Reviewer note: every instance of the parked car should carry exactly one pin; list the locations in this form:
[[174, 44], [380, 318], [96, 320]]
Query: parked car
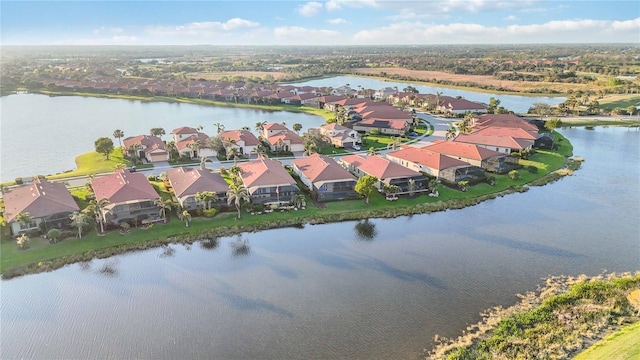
[[356, 147]]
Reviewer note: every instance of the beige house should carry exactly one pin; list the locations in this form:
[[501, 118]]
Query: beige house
[[131, 197], [184, 138], [268, 181], [340, 136], [243, 140], [322, 175], [146, 147], [48, 203], [188, 182], [281, 138], [386, 171]]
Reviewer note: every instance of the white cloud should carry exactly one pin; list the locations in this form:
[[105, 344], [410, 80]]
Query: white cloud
[[510, 18], [310, 9], [201, 29], [568, 31], [295, 35], [338, 21], [108, 30]]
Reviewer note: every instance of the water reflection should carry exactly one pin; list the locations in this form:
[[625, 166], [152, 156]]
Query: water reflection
[[365, 230], [209, 244], [109, 269], [167, 251], [240, 247]]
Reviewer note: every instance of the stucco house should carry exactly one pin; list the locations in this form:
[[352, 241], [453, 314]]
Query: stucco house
[[340, 136], [48, 203], [184, 138], [148, 147], [434, 164], [187, 182], [322, 175], [243, 140], [131, 197], [473, 154], [384, 126], [281, 138], [452, 105], [386, 171], [268, 181]]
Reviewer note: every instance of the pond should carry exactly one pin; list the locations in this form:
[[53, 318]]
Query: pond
[[357, 290]]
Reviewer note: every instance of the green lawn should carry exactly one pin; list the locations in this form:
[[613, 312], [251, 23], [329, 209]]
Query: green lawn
[[94, 163], [619, 101], [621, 345]]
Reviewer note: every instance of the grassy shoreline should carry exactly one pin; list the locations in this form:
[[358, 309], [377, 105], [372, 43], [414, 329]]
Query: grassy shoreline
[[558, 320], [42, 256]]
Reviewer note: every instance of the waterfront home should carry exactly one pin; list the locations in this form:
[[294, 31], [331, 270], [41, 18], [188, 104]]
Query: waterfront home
[[281, 138], [146, 147], [187, 182], [474, 154], [454, 106], [191, 143], [243, 140], [504, 144], [325, 178], [384, 93], [438, 165], [386, 171], [48, 203], [384, 126], [340, 136], [268, 181], [131, 197]]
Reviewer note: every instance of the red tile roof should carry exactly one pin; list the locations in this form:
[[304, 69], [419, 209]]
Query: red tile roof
[[286, 135], [40, 199], [383, 123], [184, 143], [189, 181], [426, 158], [379, 167], [497, 141], [149, 142], [321, 168], [122, 186], [274, 126], [184, 130], [264, 172], [504, 120], [463, 150], [240, 135]]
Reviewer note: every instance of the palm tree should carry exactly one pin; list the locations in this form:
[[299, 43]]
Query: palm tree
[[232, 153], [411, 186], [186, 217], [203, 162], [260, 126], [219, 127], [437, 106], [297, 127], [395, 141], [299, 201], [237, 195], [236, 172], [206, 198], [163, 205], [279, 146], [194, 146], [450, 134], [79, 220], [96, 209], [25, 219], [309, 148], [372, 151], [132, 151], [118, 134]]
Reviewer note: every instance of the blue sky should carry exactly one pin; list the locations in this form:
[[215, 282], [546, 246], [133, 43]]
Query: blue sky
[[333, 22]]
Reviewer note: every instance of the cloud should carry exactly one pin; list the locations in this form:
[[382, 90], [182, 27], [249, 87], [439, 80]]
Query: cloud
[[567, 31], [338, 21], [510, 18], [108, 30], [295, 35], [310, 9], [202, 29], [437, 9]]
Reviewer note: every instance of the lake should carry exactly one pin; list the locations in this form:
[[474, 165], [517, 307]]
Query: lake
[[516, 103], [43, 134], [328, 292]]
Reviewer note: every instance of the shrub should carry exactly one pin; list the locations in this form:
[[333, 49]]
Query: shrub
[[223, 171], [532, 169], [514, 174], [209, 213], [19, 181], [54, 235], [258, 207]]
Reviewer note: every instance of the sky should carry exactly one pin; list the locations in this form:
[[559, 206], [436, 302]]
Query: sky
[[332, 22]]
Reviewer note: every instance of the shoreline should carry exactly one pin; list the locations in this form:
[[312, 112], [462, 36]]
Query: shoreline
[[200, 231]]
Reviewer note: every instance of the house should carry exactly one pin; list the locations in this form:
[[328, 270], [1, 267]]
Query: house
[[268, 181], [184, 139], [131, 197], [390, 127], [148, 147], [340, 136], [322, 175], [48, 203], [281, 138], [452, 105], [386, 171], [474, 154], [243, 140], [504, 144], [435, 164], [384, 93], [187, 182]]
